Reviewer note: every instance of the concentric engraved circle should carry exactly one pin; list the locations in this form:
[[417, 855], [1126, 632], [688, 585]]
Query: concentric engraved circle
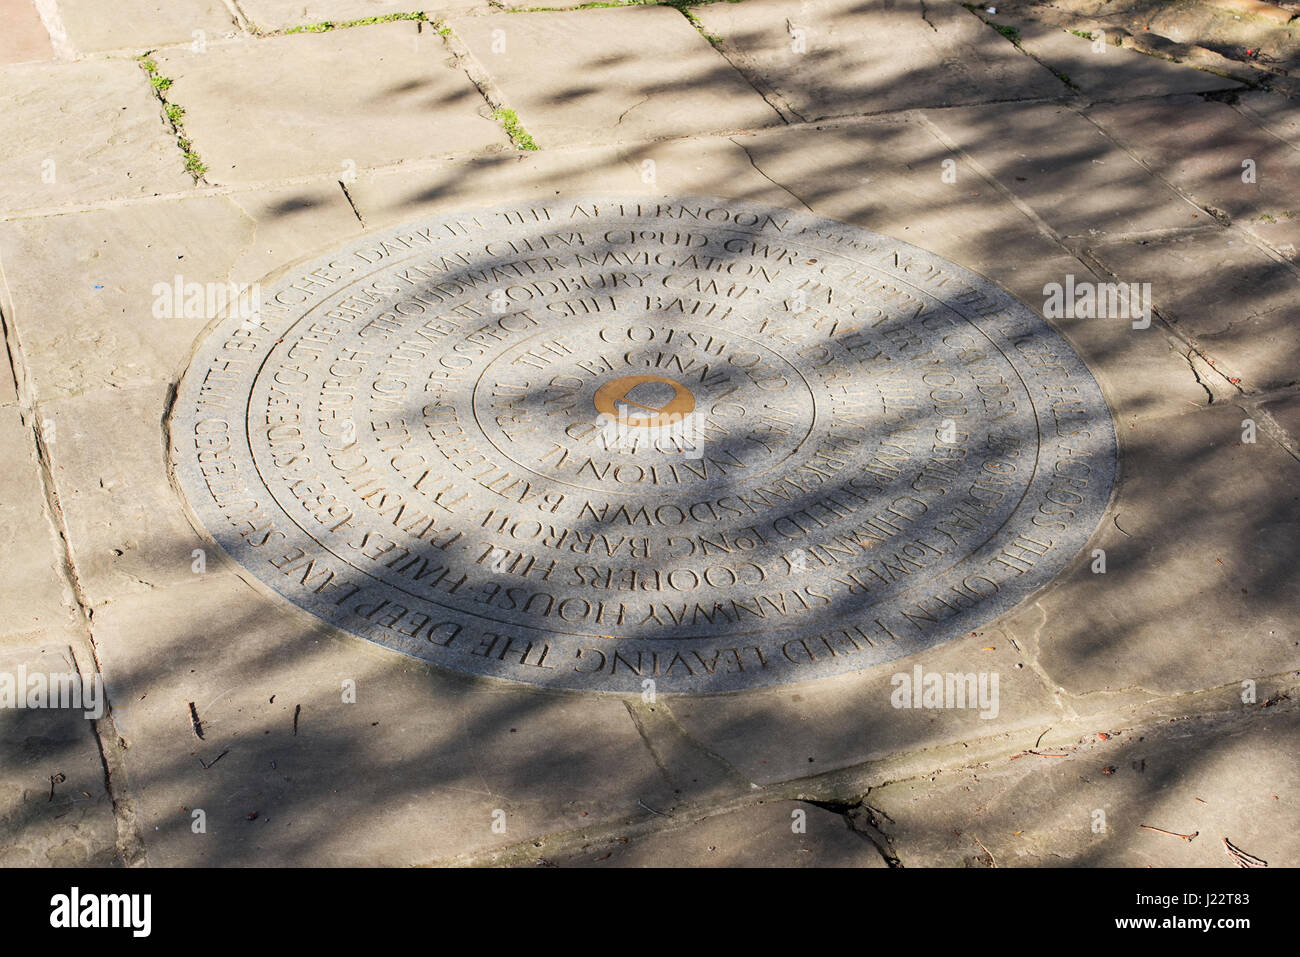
[[588, 443]]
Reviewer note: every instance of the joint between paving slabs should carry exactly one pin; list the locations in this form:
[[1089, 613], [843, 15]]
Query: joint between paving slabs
[[662, 733], [173, 113], [1222, 218], [463, 58], [129, 843], [1187, 346], [851, 787]]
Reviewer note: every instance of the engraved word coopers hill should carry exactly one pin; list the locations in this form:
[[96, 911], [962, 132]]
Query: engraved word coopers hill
[[585, 443]]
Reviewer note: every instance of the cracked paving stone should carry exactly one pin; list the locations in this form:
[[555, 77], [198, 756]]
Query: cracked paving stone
[[1245, 319], [764, 835], [1065, 169], [36, 597], [1222, 777], [1202, 147]]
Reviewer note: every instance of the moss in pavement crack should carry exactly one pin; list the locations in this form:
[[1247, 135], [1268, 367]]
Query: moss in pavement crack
[[515, 130], [175, 114]]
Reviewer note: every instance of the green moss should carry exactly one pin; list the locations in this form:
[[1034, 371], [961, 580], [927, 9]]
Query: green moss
[[515, 130], [1081, 33], [326, 25], [174, 113]]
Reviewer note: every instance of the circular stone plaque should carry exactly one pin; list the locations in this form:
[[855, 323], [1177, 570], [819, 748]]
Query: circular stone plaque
[[583, 444]]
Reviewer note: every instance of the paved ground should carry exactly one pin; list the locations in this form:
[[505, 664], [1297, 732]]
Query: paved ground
[[1139, 708]]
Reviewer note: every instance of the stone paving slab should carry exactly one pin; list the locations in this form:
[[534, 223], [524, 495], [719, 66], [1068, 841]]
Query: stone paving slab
[[1286, 411], [803, 730], [1065, 169], [410, 773], [272, 15], [1242, 321], [394, 95], [1109, 72], [35, 596], [611, 75], [891, 176], [1203, 148], [54, 810], [1143, 373], [77, 337], [852, 57], [128, 534], [1234, 779], [84, 132], [1276, 113], [1201, 521], [760, 836], [136, 25], [714, 166], [25, 38]]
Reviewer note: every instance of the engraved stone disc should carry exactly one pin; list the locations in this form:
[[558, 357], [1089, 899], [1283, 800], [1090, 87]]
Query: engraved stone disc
[[583, 444]]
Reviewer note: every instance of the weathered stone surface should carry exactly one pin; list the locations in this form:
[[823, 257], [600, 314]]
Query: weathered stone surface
[[1243, 320], [896, 494], [601, 76], [1065, 169], [36, 594], [25, 38], [758, 836], [1233, 779], [8, 380], [788, 733], [871, 58], [1276, 112], [54, 810], [260, 110], [127, 531], [893, 176], [271, 15], [411, 773], [77, 133], [77, 337], [1286, 412], [1203, 523], [1220, 157], [714, 165], [137, 25], [1108, 72]]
